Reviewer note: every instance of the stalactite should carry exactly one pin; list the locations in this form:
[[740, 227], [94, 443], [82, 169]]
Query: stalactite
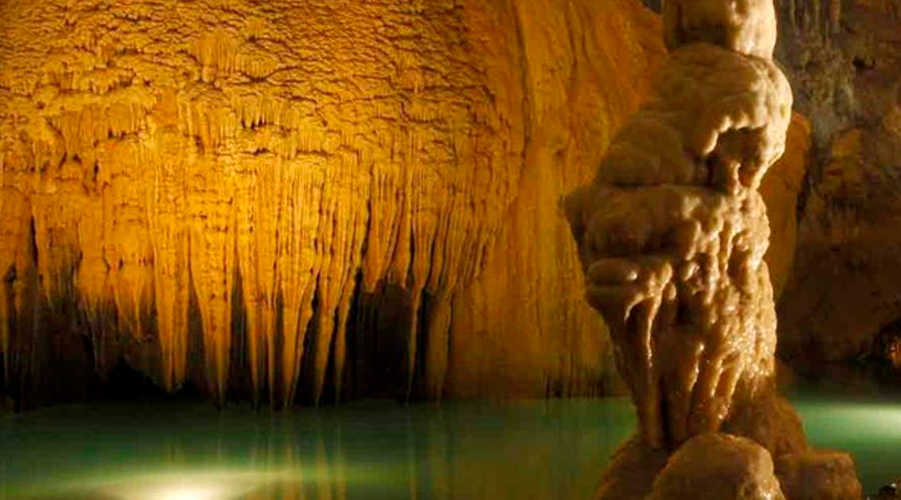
[[168, 158], [224, 189]]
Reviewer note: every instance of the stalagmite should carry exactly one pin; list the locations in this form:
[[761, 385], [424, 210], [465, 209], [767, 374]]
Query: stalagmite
[[672, 233]]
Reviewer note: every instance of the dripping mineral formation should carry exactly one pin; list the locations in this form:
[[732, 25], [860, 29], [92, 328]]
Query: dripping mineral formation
[[305, 199], [672, 234]]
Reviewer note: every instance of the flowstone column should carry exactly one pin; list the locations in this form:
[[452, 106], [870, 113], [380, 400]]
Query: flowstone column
[[672, 234]]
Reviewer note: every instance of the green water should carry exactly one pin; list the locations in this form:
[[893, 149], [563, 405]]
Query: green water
[[531, 450]]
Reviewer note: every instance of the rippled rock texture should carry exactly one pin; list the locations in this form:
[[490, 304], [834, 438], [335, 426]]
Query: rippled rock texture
[[672, 232], [313, 199], [298, 200], [844, 61]]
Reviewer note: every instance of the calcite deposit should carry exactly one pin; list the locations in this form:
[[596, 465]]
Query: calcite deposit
[[782, 188], [284, 200], [843, 293], [673, 244], [298, 200], [887, 346], [672, 234], [741, 470]]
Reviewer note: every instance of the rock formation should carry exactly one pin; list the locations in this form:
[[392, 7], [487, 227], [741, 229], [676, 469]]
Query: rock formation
[[844, 60], [887, 346], [741, 470], [194, 191], [781, 189], [287, 200], [889, 492], [672, 234]]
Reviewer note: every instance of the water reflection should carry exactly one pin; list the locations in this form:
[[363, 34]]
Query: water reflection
[[364, 451], [539, 450]]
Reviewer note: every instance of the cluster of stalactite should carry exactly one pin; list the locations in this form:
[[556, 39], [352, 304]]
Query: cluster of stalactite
[[257, 197], [234, 168]]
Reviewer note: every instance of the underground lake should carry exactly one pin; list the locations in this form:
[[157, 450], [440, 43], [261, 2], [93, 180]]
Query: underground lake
[[372, 449]]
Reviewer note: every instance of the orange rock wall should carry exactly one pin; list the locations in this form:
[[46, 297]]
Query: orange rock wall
[[288, 197], [780, 189], [523, 327], [287, 201]]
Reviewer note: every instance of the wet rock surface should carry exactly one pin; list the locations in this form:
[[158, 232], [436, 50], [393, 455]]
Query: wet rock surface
[[888, 492], [887, 347], [672, 239], [718, 467], [282, 201], [843, 59]]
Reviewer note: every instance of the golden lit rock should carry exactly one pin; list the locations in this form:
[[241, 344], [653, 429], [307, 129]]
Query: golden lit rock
[[672, 233], [741, 470], [780, 189], [675, 264], [743, 26], [283, 198]]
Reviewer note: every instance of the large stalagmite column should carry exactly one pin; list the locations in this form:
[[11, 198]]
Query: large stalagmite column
[[672, 233]]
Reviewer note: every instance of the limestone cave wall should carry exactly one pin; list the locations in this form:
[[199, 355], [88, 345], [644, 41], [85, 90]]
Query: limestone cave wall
[[311, 200], [298, 200], [844, 60]]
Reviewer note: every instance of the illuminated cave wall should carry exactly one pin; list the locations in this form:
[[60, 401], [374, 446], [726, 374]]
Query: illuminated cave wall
[[284, 197], [844, 59], [305, 200]]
